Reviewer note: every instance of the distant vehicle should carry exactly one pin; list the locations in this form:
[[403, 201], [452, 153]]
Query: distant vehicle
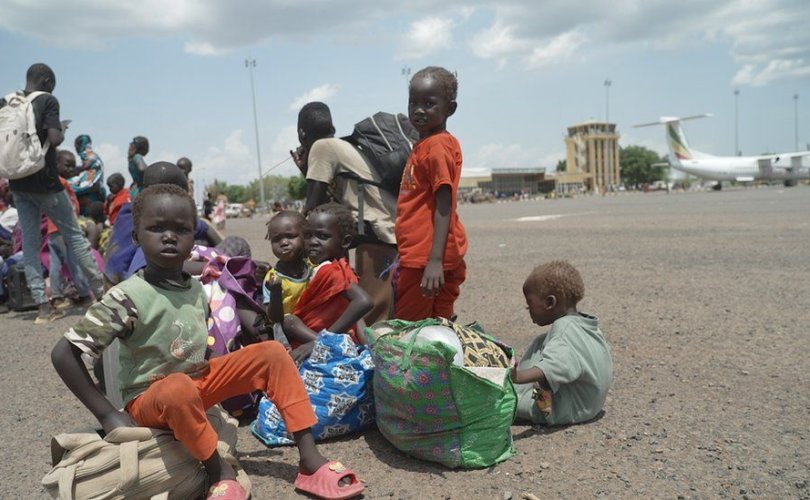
[[728, 168], [233, 210]]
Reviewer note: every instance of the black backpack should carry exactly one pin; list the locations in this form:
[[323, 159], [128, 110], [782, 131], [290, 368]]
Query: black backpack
[[385, 141]]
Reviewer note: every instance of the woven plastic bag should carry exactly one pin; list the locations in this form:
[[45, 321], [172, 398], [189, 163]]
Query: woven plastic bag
[[434, 410], [337, 377]]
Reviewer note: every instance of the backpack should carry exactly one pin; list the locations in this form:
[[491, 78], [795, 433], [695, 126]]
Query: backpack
[[21, 153], [135, 462], [385, 141]]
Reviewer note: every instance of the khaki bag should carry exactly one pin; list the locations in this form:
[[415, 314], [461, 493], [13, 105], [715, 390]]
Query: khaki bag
[[135, 463]]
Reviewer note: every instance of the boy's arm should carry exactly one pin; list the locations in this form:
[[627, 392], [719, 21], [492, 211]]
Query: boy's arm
[[275, 308], [529, 376], [317, 194], [67, 361], [433, 277], [359, 305], [295, 329]]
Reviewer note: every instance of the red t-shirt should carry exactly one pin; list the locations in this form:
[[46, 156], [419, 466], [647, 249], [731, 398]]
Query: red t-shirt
[[114, 206], [322, 303], [434, 162]]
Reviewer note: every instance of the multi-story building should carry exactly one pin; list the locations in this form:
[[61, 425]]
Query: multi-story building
[[592, 149]]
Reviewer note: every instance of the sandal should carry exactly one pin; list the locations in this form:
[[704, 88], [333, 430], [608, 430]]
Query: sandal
[[228, 489], [325, 482]]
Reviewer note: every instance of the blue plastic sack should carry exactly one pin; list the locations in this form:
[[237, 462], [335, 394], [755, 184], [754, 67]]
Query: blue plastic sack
[[337, 376]]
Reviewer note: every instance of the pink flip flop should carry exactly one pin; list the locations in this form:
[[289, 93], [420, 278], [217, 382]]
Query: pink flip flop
[[325, 482], [228, 489]]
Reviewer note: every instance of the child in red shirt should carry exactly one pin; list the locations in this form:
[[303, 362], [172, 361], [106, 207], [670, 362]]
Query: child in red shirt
[[431, 239], [332, 300], [118, 196]]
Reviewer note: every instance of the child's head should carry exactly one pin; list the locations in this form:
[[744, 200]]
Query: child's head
[[234, 246], [139, 145], [329, 232], [164, 172], [82, 142], [163, 219], [431, 99], [552, 291], [314, 122], [115, 183], [285, 232], [96, 212], [184, 164], [65, 163]]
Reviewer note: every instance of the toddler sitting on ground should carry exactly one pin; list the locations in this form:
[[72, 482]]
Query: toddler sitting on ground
[[565, 374]]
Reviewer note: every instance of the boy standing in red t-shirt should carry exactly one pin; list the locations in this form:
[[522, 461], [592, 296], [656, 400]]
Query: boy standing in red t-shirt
[[431, 239]]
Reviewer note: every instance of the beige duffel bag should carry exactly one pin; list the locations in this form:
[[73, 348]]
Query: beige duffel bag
[[135, 463]]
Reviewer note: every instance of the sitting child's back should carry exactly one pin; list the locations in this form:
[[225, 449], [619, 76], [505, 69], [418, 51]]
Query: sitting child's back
[[565, 374]]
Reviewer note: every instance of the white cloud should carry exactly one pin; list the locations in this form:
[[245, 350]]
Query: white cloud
[[232, 162], [497, 42], [202, 49], [557, 50], [280, 161], [768, 38], [114, 158], [321, 93], [426, 36]]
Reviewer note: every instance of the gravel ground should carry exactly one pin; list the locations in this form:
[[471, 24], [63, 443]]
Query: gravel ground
[[703, 298]]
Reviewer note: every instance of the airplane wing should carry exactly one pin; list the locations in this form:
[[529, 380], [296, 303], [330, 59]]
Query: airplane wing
[[783, 156]]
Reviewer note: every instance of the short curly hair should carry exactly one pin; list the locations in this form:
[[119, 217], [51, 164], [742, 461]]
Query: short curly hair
[[558, 278], [346, 222], [291, 214], [448, 80], [157, 190]]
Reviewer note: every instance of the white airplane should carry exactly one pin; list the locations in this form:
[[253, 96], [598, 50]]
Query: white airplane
[[785, 167]]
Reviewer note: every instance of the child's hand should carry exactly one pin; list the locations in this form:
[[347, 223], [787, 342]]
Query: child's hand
[[432, 278], [302, 352], [116, 419], [513, 370]]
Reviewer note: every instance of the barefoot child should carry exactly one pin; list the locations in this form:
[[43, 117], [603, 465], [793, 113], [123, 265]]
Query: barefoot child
[[332, 300], [284, 284], [159, 316], [565, 374], [432, 241]]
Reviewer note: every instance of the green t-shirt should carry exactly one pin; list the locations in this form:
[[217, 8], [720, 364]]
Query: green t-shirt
[[162, 330], [575, 358]]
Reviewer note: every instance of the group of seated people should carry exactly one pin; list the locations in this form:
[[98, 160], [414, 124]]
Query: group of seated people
[[163, 260]]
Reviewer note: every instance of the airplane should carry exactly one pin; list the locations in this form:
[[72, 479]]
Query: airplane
[[728, 168]]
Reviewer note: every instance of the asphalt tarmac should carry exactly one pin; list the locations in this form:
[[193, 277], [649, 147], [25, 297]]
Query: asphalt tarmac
[[703, 296]]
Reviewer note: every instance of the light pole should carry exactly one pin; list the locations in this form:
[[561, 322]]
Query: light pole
[[796, 121], [250, 64], [736, 130], [406, 73], [608, 83]]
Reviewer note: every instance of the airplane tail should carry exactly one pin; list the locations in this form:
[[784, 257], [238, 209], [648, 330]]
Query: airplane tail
[[676, 140]]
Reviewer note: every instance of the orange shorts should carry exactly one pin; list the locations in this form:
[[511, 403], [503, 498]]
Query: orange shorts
[[178, 402], [412, 305]]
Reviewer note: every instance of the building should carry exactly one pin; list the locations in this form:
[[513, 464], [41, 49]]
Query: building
[[512, 181], [592, 148]]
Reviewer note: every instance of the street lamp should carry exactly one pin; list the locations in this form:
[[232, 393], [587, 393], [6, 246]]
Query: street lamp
[[608, 83], [736, 133], [796, 121], [250, 64], [406, 73]]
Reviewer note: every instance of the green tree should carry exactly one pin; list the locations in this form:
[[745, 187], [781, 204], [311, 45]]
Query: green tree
[[638, 165], [562, 166], [297, 188]]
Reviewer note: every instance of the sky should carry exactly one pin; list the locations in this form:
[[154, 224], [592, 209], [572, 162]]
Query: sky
[[174, 71]]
